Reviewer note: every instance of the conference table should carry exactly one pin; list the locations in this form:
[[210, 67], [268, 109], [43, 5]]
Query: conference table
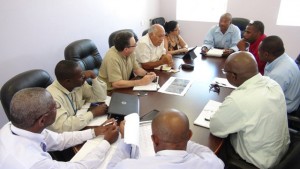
[[197, 96]]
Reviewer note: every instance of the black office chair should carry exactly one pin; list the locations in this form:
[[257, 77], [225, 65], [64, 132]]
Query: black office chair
[[298, 61], [159, 20], [31, 78], [86, 54], [241, 23], [145, 32], [291, 158], [294, 119], [113, 35]]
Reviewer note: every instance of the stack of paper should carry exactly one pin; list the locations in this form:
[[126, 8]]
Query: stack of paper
[[215, 52], [153, 86], [204, 117]]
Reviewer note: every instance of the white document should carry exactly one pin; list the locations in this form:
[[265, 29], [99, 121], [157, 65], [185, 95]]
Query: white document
[[176, 86], [204, 117], [215, 52], [164, 67], [142, 138], [223, 82], [153, 86]]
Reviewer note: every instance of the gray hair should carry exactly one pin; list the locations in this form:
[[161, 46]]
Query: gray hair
[[27, 105]]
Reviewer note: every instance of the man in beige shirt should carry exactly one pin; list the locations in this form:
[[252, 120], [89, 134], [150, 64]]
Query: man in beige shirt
[[119, 62], [71, 91]]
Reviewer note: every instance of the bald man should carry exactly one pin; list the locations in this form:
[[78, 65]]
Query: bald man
[[150, 51], [24, 141], [253, 115], [225, 36], [170, 136]]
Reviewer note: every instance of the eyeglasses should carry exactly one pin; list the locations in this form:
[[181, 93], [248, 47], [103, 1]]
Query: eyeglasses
[[57, 106], [214, 88], [133, 46], [226, 72]]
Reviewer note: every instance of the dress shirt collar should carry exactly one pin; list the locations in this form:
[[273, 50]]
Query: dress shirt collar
[[229, 30], [250, 81], [270, 66], [64, 90], [36, 137], [172, 153]]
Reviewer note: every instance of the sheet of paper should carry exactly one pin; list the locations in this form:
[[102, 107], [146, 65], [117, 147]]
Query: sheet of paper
[[90, 145], [146, 144], [215, 52], [97, 121], [163, 67], [223, 82], [150, 87], [131, 130], [204, 117], [176, 86]]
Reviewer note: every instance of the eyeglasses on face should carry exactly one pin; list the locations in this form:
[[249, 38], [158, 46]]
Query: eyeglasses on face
[[226, 72], [133, 46]]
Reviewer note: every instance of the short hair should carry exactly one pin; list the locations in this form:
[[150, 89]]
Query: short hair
[[170, 26], [65, 69], [258, 25], [273, 45], [27, 105], [227, 15], [122, 40]]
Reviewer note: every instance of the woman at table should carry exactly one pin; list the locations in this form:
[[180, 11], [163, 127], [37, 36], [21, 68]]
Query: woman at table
[[174, 43]]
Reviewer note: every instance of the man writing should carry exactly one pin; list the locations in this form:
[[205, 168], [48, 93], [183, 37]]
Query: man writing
[[71, 91], [24, 141], [253, 115], [119, 62], [171, 140]]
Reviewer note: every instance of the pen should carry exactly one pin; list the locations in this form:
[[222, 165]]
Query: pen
[[109, 123], [206, 119]]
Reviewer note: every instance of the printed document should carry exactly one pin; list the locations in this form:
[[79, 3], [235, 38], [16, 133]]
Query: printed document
[[176, 86], [204, 117]]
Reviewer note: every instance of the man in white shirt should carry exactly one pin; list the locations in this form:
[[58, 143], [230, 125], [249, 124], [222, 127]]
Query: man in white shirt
[[71, 91], [171, 140], [150, 50], [24, 141], [254, 114], [281, 68]]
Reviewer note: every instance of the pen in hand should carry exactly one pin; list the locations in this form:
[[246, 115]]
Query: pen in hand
[[109, 123]]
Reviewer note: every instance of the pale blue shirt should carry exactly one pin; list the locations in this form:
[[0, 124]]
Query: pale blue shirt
[[216, 39], [286, 73], [196, 156]]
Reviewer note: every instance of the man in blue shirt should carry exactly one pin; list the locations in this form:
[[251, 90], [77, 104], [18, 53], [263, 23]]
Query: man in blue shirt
[[223, 36], [281, 68]]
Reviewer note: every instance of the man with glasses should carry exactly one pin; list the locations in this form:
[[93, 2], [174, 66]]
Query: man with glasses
[[150, 52], [253, 115], [120, 62], [24, 141], [71, 90]]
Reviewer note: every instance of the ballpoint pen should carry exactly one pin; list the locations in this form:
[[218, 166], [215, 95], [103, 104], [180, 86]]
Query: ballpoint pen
[[109, 123]]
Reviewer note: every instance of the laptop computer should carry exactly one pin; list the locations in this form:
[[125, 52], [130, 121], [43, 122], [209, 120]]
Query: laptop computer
[[190, 54], [123, 104]]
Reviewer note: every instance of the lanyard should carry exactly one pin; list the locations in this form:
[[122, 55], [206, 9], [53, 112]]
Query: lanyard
[[73, 107]]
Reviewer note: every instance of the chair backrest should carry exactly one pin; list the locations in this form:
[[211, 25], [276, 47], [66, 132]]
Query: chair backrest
[[31, 78], [241, 23], [291, 158], [113, 35], [159, 20], [145, 32], [298, 61], [85, 53]]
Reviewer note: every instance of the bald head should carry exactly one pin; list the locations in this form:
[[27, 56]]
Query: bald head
[[171, 127], [240, 66], [227, 16], [156, 34]]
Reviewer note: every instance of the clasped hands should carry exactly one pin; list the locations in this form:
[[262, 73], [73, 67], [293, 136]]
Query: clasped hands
[[167, 59]]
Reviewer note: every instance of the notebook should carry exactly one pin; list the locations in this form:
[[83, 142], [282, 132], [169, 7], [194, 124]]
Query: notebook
[[123, 104], [204, 117]]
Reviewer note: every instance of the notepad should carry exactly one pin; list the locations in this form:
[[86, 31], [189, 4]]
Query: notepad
[[163, 67], [223, 82], [215, 52], [153, 86], [204, 117]]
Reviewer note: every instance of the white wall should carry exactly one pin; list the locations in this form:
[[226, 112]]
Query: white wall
[[265, 11], [34, 33]]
